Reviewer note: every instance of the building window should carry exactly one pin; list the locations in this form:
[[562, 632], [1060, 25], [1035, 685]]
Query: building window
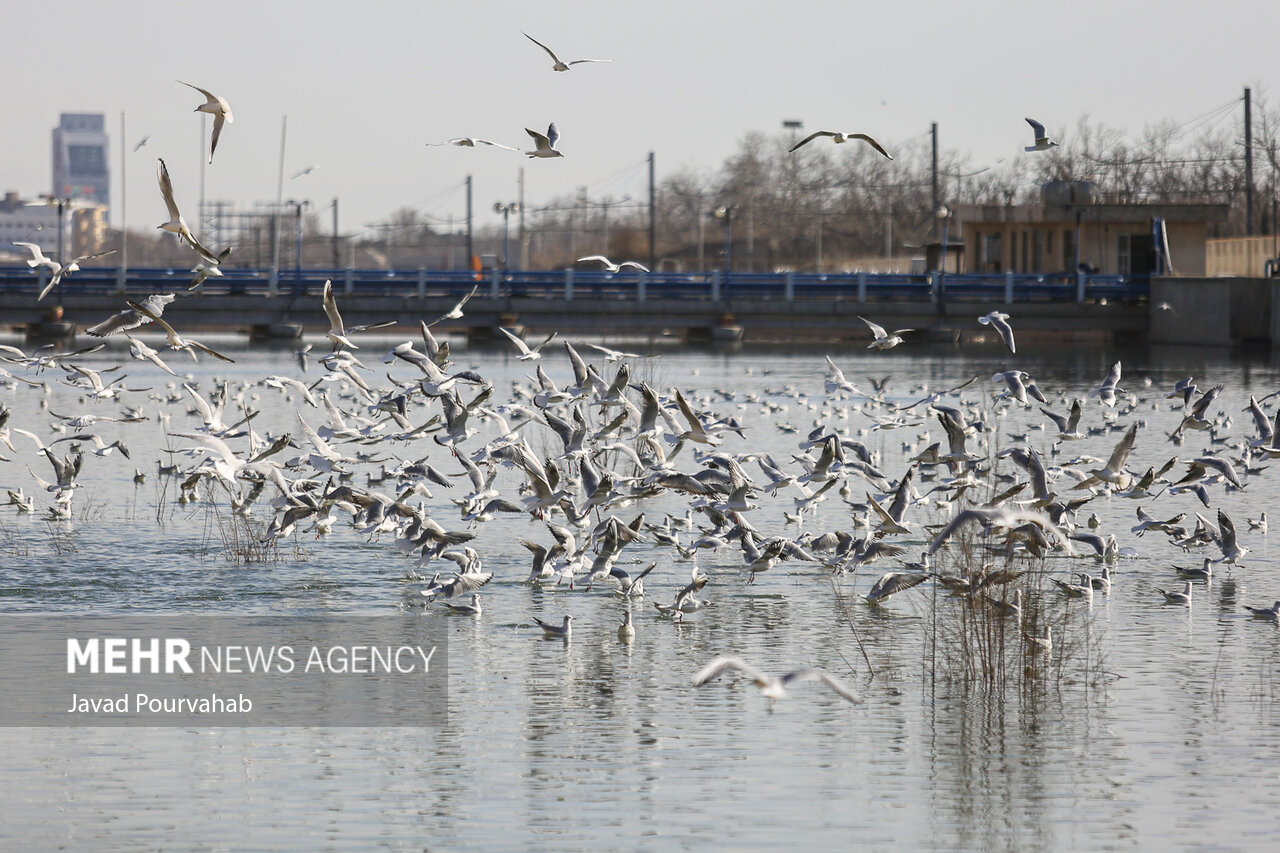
[[1068, 249], [1123, 255]]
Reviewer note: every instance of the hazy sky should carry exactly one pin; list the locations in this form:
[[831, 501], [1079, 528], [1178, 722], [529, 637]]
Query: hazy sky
[[367, 85]]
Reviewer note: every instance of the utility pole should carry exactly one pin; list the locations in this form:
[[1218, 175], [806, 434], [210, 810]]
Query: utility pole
[[124, 214], [653, 242], [524, 235], [1248, 164], [470, 233], [337, 257], [933, 132]]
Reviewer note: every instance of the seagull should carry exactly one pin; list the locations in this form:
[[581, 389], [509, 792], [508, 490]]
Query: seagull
[[545, 145], [141, 142], [176, 224], [1040, 644], [472, 609], [840, 138], [337, 331], [626, 631], [772, 686], [471, 142], [555, 631], [216, 107], [304, 171], [455, 313], [526, 353], [175, 340], [1272, 612], [560, 65], [997, 320], [1043, 143], [1183, 598], [883, 340], [610, 266], [73, 266], [1106, 392], [892, 582]]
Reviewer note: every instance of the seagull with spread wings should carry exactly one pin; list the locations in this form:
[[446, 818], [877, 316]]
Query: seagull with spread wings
[[774, 687], [216, 107], [176, 224], [558, 63], [839, 138], [544, 145], [1043, 142]]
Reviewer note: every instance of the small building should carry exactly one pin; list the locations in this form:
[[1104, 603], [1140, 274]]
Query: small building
[[1073, 228], [1247, 257], [84, 227]]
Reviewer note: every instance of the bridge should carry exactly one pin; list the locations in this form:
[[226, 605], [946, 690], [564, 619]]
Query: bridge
[[690, 306]]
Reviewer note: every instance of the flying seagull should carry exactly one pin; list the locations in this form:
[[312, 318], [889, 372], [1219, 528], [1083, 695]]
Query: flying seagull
[[455, 313], [545, 145], [559, 64], [839, 138], [176, 224], [772, 686], [1043, 143], [470, 142], [999, 321], [883, 340], [610, 266], [216, 107], [71, 267]]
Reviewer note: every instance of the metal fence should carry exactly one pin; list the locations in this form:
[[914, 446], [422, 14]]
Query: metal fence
[[573, 284]]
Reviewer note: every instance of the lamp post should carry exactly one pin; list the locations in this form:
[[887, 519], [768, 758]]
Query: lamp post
[[506, 210], [297, 236], [725, 213], [944, 215]]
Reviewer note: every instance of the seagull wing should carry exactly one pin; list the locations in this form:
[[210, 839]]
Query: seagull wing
[[876, 330], [811, 674], [166, 189], [515, 339], [720, 664], [219, 120], [1037, 127], [551, 53], [876, 145], [810, 138]]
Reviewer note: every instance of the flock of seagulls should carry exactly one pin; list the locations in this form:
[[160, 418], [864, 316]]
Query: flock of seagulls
[[580, 454]]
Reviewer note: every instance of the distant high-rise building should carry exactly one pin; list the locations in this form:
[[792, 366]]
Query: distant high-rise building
[[80, 158]]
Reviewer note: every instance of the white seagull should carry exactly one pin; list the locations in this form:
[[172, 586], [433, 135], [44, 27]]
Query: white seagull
[[545, 144], [610, 266], [1043, 143], [559, 64], [772, 686], [527, 353], [216, 107], [176, 224], [839, 138], [471, 142], [998, 321], [883, 340]]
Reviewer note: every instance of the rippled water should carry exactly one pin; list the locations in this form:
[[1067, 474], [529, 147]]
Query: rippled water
[[1157, 732]]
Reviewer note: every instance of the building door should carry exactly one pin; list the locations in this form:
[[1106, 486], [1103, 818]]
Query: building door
[[1136, 255]]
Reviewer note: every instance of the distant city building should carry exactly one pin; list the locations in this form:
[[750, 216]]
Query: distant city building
[[84, 227], [80, 148]]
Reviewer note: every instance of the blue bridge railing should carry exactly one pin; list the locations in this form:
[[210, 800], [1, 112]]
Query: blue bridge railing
[[573, 284]]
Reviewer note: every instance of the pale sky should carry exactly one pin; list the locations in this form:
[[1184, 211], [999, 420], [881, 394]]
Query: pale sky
[[367, 85]]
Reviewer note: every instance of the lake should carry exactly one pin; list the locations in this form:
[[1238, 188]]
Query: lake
[[1149, 726]]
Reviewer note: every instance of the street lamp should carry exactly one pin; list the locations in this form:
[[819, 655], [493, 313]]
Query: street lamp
[[944, 214], [725, 213], [297, 235], [506, 210]]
